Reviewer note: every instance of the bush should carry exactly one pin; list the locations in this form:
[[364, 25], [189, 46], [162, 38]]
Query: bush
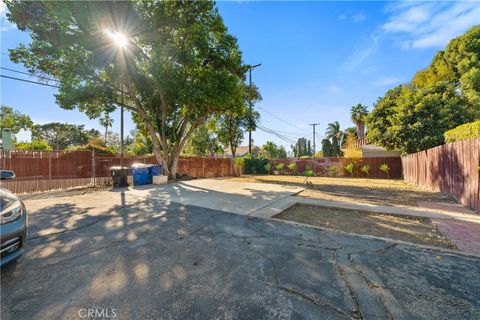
[[239, 161], [280, 167], [268, 167], [365, 169], [332, 171], [309, 173], [465, 131], [349, 168], [305, 157], [34, 145], [384, 168], [254, 165], [292, 167]]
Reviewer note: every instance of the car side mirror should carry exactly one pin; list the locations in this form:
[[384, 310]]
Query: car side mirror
[[7, 175]]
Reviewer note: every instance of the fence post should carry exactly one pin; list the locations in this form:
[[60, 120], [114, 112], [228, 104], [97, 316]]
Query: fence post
[[50, 166], [93, 168]]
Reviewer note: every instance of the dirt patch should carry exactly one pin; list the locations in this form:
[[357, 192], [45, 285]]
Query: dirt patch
[[61, 193], [358, 190], [405, 228]]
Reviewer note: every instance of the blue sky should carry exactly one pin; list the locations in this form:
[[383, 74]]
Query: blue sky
[[318, 59]]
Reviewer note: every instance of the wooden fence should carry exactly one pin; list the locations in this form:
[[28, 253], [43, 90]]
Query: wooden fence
[[451, 168], [49, 170]]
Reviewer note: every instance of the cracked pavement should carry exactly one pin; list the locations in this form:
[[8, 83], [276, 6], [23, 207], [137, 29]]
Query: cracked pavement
[[148, 258]]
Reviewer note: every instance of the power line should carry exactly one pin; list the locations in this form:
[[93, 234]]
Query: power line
[[30, 81], [28, 74], [278, 118]]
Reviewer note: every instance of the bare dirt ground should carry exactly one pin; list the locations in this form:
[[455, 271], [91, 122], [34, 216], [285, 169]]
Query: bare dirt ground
[[405, 228], [359, 190]]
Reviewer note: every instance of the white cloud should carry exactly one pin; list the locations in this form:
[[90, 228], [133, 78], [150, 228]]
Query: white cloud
[[386, 81], [426, 25], [356, 17], [417, 25], [334, 88]]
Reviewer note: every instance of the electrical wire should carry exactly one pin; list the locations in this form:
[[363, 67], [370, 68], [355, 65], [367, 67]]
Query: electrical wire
[[28, 74], [30, 81], [278, 118]]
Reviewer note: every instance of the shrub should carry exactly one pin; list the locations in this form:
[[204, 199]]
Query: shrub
[[305, 157], [280, 167], [365, 169], [254, 165], [465, 131], [332, 171], [309, 173], [292, 167], [34, 145], [239, 161], [384, 168], [349, 168], [268, 167]]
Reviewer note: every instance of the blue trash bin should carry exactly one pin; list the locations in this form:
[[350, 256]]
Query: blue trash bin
[[141, 174], [156, 169]]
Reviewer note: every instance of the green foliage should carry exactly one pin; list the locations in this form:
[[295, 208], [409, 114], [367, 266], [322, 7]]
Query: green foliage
[[357, 115], [60, 135], [239, 161], [179, 68], [365, 169], [463, 132], [336, 136], [292, 166], [14, 120], [280, 167], [272, 151], [141, 145], [302, 148], [326, 148], [106, 121], [40, 145], [231, 126], [414, 117], [309, 173], [384, 168], [268, 167], [95, 144], [254, 165], [203, 142], [332, 171], [349, 168]]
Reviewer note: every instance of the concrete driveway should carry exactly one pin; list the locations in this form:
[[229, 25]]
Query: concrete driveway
[[142, 255]]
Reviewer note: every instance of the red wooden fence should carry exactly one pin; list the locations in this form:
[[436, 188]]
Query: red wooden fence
[[451, 168], [48, 170]]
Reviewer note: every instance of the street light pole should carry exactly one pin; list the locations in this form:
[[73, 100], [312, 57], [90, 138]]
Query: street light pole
[[250, 68]]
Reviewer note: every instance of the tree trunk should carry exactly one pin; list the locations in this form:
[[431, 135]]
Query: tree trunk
[[360, 130], [106, 132]]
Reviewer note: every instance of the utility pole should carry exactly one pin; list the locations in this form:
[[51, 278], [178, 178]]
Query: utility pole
[[250, 68], [121, 128], [313, 125]]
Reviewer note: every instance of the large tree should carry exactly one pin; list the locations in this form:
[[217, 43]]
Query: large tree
[[14, 120], [174, 62], [414, 116], [60, 135], [358, 113]]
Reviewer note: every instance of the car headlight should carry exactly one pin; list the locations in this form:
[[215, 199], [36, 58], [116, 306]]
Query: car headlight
[[12, 212]]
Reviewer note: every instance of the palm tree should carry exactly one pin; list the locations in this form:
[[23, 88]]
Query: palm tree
[[358, 113], [333, 132], [106, 122]]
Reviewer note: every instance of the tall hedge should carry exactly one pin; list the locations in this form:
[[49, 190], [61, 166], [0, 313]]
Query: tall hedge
[[463, 132]]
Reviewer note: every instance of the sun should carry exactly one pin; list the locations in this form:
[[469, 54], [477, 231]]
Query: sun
[[118, 38]]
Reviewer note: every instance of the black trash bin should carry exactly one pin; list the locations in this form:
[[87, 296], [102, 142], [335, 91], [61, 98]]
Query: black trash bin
[[119, 176]]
